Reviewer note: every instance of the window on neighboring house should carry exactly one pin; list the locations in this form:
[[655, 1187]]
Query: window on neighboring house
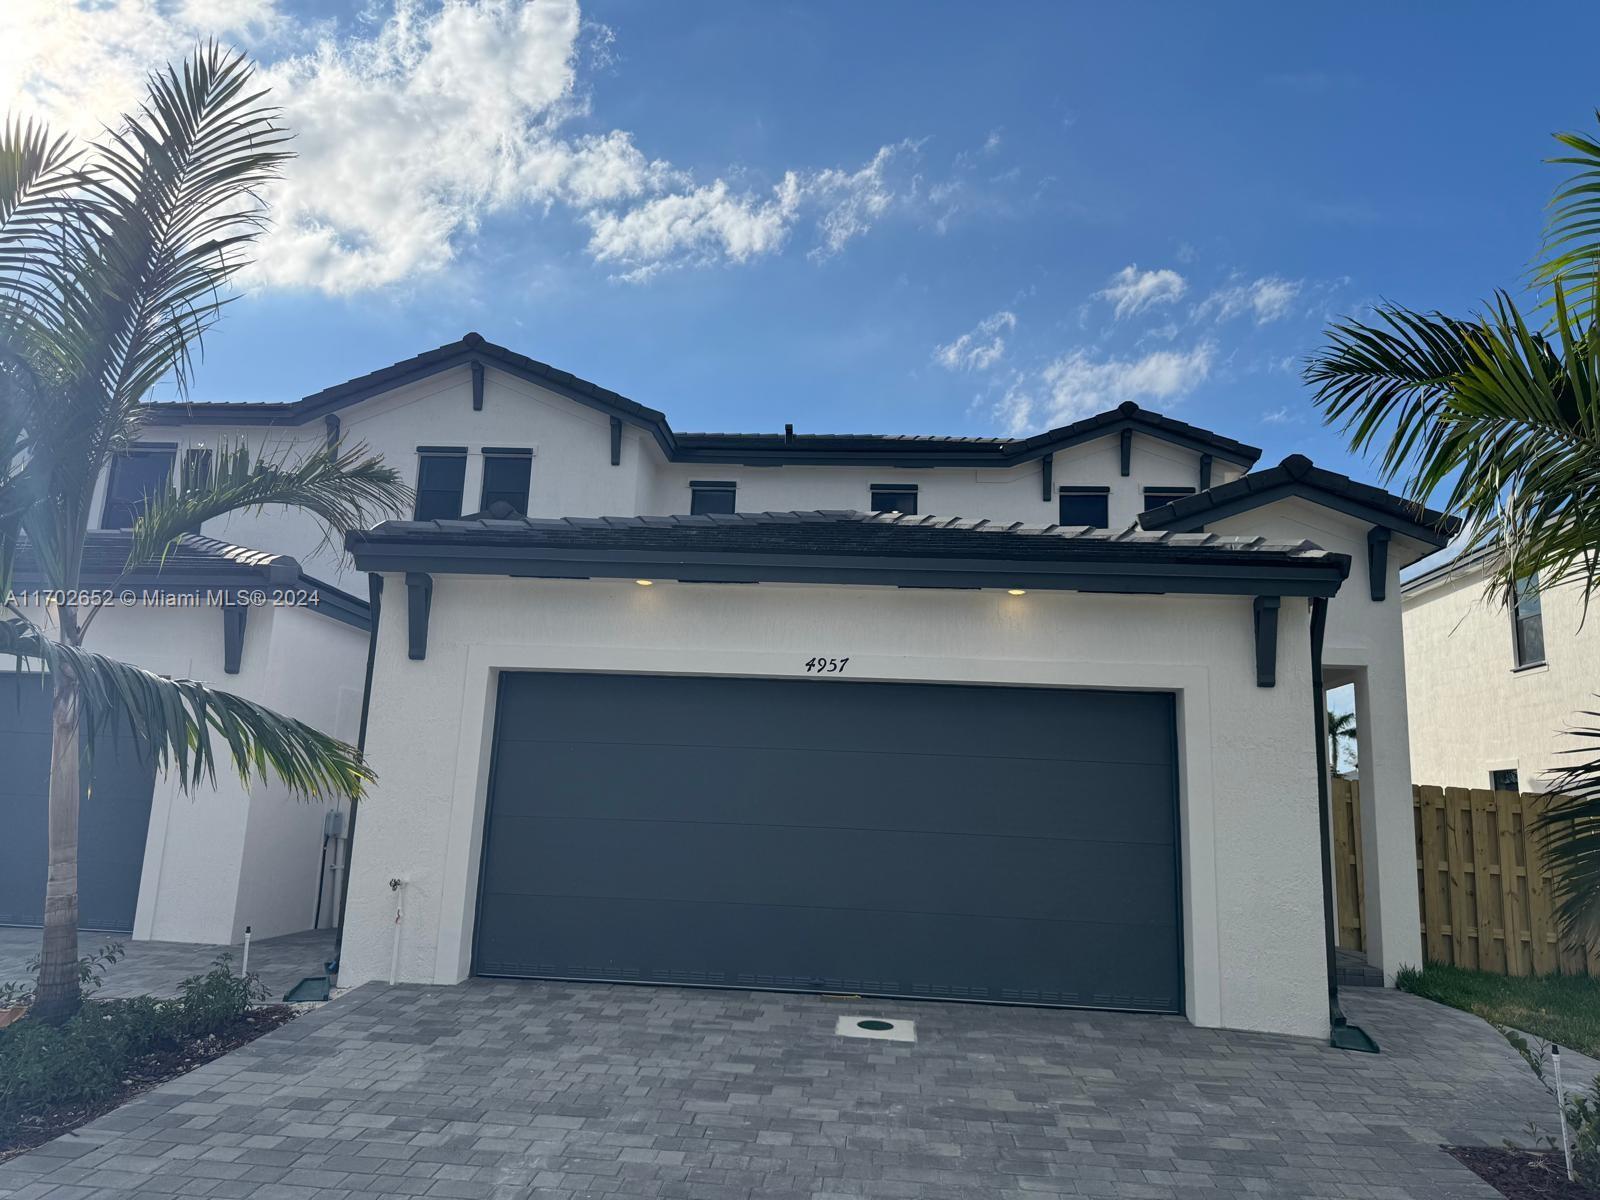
[[1504, 780], [1155, 497], [1527, 623], [441, 475], [137, 473], [711, 496], [196, 471], [895, 498], [1085, 506], [506, 476]]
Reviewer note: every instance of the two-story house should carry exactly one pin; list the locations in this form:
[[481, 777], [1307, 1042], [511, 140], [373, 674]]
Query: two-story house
[[1010, 720], [1533, 663]]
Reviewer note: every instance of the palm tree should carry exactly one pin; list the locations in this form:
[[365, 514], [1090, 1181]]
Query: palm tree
[[113, 264], [1498, 414], [1341, 738]]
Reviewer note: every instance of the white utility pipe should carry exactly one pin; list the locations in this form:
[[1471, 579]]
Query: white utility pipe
[[1561, 1109], [244, 963], [397, 886]]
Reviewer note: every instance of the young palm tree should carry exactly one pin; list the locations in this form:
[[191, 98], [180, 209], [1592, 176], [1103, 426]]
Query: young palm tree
[[113, 264], [1498, 414], [1341, 738]]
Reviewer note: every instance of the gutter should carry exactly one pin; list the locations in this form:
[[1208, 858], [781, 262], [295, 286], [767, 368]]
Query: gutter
[[375, 602]]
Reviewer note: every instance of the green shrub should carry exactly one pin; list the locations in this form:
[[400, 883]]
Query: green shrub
[[86, 1059]]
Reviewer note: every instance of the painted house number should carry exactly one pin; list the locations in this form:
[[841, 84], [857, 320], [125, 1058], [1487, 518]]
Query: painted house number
[[825, 666]]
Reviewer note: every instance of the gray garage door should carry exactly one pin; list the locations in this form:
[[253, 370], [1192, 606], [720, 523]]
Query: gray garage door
[[1000, 844], [112, 821]]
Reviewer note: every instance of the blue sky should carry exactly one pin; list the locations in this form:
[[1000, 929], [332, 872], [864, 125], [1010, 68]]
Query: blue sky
[[751, 214]]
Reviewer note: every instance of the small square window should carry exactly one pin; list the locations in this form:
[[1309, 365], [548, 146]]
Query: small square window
[[1527, 624], [712, 496], [137, 474], [892, 498], [1085, 506], [1504, 780], [441, 475], [507, 475], [1155, 497]]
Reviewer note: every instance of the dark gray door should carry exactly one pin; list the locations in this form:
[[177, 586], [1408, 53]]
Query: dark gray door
[[112, 822], [1001, 844]]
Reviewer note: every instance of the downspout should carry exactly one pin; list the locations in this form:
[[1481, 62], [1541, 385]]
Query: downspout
[[375, 604], [1342, 1034]]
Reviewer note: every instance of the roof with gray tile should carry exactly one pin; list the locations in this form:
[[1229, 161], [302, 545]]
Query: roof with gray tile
[[1298, 476], [814, 448], [838, 546], [105, 555]]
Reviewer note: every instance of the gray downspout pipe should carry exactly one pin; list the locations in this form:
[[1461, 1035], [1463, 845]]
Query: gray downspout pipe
[[1342, 1035], [375, 604]]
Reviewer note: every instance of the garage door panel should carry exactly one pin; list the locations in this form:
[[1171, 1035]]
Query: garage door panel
[[1026, 798], [787, 866], [652, 710], [113, 818], [1012, 844], [830, 951]]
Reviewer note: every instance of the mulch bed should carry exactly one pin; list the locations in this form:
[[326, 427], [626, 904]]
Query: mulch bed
[[1522, 1174], [147, 1072]]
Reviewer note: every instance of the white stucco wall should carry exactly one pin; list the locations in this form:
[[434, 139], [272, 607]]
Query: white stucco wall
[[1252, 896], [222, 856], [1365, 645], [1472, 711]]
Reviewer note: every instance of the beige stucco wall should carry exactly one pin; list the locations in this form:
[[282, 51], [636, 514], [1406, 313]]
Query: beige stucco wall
[[1472, 712], [1252, 897]]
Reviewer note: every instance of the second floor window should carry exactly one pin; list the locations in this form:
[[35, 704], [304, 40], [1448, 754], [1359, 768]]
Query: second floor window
[[441, 474], [712, 496], [896, 498], [506, 477], [1155, 497], [1527, 623], [1085, 506], [137, 473]]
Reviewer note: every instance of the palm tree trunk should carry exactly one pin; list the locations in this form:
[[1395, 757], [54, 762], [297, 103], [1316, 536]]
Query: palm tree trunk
[[58, 995]]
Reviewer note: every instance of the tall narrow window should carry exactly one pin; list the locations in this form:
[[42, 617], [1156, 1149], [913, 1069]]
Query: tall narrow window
[[1085, 506], [896, 498], [441, 474], [196, 475], [1155, 497], [1527, 623], [506, 476], [138, 473], [712, 496]]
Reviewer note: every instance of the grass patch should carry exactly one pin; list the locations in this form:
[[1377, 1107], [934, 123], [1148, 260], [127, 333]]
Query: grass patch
[[1564, 1009]]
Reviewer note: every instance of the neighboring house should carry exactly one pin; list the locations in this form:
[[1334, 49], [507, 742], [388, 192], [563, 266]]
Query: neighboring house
[[911, 716], [1493, 686], [153, 860]]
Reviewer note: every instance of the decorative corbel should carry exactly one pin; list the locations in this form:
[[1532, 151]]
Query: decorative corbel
[[477, 386], [1378, 560], [1047, 476], [419, 605], [1127, 452], [1266, 619], [233, 620]]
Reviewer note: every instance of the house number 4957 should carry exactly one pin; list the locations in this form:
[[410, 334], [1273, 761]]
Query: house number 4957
[[825, 666]]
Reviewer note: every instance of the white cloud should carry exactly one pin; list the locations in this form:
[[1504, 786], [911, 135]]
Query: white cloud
[[980, 347], [1268, 299], [1132, 290], [1077, 385], [1277, 416], [432, 120]]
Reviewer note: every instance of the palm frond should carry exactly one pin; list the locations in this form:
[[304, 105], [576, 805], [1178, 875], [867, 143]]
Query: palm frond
[[183, 725], [344, 488], [1569, 833], [1570, 255]]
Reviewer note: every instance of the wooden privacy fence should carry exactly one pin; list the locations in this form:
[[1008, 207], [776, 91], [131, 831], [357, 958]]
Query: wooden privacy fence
[[1485, 892]]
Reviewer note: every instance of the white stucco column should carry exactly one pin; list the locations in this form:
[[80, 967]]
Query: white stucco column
[[1388, 830]]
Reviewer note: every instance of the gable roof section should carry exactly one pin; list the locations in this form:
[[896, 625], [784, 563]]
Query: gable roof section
[[1297, 477], [197, 566], [755, 449], [842, 547]]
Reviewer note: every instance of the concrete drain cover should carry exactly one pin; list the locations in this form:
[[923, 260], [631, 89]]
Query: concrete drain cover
[[884, 1029]]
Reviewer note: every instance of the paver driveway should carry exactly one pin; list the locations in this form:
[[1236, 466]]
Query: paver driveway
[[522, 1089]]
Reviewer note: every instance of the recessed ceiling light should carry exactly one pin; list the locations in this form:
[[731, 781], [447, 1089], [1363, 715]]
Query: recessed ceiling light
[[1016, 591], [645, 582]]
